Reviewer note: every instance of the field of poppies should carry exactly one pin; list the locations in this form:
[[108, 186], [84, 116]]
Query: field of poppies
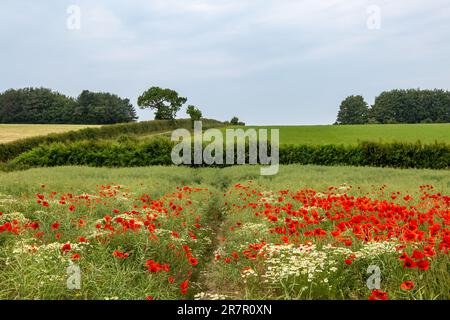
[[178, 233]]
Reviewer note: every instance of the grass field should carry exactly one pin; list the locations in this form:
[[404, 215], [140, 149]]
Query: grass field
[[426, 133], [176, 232], [12, 132], [326, 134]]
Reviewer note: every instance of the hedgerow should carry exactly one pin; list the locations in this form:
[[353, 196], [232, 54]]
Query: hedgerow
[[157, 151]]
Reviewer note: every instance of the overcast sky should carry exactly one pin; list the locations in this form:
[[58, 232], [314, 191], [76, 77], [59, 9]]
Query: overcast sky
[[266, 61]]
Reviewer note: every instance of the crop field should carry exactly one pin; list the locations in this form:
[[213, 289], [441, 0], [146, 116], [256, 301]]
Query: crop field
[[309, 232], [326, 134], [12, 132], [351, 134]]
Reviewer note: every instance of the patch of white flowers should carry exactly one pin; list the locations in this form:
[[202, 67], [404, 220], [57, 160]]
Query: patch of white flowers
[[311, 263], [210, 296], [10, 217], [251, 229], [7, 199], [367, 250], [45, 251], [267, 197], [249, 274], [287, 260]]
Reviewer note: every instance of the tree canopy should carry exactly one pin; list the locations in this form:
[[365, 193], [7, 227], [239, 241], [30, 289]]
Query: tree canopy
[[44, 106], [165, 102], [412, 106], [353, 110], [194, 113], [398, 106]]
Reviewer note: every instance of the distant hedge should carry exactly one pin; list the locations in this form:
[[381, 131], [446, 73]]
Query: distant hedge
[[9, 151], [157, 152], [374, 154]]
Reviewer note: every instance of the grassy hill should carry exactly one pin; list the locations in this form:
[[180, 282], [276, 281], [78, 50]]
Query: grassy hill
[[135, 129], [351, 134]]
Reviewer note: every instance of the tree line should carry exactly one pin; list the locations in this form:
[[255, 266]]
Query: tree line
[[44, 106], [397, 106]]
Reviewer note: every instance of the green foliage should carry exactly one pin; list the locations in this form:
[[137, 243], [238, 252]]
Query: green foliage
[[412, 106], [44, 106], [100, 153], [235, 122], [165, 102], [11, 150], [353, 110], [194, 113], [395, 155], [103, 108], [158, 152]]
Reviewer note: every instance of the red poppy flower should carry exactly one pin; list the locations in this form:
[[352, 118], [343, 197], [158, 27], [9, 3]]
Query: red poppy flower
[[378, 295], [407, 285], [66, 248], [120, 255], [417, 255], [192, 261], [409, 263], [423, 265], [183, 286], [404, 256], [75, 256], [428, 251]]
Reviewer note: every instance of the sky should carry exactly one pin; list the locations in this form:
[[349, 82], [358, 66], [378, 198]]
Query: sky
[[278, 62]]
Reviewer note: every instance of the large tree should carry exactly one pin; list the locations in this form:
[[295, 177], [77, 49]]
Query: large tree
[[353, 110], [165, 102]]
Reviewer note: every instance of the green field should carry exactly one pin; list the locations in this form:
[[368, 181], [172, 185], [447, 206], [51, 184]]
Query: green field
[[12, 132], [323, 134], [198, 242], [351, 134], [83, 179]]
